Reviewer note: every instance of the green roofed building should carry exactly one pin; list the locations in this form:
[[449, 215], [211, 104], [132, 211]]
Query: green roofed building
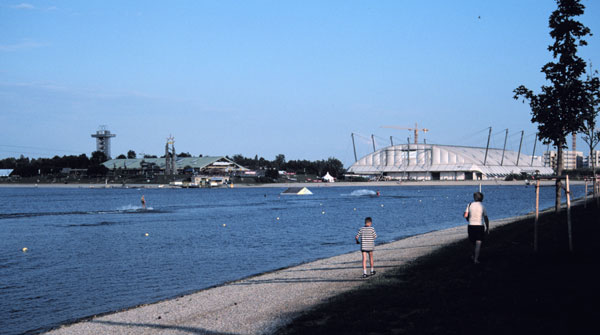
[[213, 165]]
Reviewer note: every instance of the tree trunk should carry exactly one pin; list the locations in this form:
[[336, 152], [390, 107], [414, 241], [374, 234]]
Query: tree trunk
[[595, 187], [569, 223], [559, 170]]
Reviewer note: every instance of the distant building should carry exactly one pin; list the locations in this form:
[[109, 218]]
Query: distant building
[[103, 137], [445, 162], [571, 159], [215, 165], [595, 157]]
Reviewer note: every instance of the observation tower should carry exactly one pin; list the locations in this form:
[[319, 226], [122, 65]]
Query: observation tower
[[103, 136]]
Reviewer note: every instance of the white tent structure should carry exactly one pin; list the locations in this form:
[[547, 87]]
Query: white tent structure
[[445, 162], [328, 178]]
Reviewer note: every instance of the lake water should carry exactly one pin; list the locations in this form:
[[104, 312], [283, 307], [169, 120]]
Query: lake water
[[93, 251]]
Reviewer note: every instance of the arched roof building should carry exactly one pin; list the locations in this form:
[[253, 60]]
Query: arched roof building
[[446, 162]]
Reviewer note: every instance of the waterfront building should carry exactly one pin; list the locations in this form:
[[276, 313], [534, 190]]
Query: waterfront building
[[209, 165], [571, 159], [446, 162], [595, 157]]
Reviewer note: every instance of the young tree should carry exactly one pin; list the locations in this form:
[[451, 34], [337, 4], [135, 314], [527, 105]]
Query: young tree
[[560, 107], [591, 134], [279, 162], [131, 154]]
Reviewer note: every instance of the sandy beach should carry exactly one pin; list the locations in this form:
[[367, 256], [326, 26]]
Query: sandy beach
[[264, 303]]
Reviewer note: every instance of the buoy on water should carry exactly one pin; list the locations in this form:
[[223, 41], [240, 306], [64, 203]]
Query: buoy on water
[[146, 234], [24, 249]]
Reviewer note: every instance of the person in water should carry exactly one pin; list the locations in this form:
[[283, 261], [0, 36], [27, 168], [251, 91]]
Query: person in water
[[143, 202], [474, 213], [367, 236]]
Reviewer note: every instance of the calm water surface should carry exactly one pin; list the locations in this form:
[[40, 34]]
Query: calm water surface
[[88, 252]]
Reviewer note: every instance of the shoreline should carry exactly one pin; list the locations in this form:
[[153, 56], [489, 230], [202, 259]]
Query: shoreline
[[308, 185], [265, 302], [514, 290]]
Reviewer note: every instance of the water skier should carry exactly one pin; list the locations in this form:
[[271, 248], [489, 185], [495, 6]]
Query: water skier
[[143, 202]]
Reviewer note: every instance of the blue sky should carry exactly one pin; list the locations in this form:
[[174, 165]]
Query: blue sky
[[270, 77]]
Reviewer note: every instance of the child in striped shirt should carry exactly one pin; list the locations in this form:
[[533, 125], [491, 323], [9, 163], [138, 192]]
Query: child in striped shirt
[[367, 240]]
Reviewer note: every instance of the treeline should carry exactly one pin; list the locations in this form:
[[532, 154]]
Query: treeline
[[26, 167], [320, 167]]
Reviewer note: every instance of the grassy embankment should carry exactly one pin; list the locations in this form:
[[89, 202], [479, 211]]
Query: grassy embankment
[[513, 291]]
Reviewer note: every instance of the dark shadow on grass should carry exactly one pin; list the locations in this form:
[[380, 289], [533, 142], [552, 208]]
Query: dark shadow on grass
[[513, 291], [190, 330]]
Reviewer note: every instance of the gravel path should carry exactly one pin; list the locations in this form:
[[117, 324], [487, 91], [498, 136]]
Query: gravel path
[[261, 304]]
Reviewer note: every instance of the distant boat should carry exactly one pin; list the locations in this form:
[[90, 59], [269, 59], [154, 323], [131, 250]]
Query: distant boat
[[297, 191]]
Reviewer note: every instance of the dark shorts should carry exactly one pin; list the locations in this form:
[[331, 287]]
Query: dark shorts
[[366, 250], [476, 233]]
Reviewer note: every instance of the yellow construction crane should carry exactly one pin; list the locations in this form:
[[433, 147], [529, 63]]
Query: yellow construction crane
[[415, 129]]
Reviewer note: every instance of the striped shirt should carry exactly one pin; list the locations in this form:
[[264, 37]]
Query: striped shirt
[[367, 237]]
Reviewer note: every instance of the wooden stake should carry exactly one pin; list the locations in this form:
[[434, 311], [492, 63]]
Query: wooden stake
[[569, 216], [597, 191], [585, 197], [537, 215]]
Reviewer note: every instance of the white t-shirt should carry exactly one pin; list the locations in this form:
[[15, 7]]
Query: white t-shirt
[[476, 213]]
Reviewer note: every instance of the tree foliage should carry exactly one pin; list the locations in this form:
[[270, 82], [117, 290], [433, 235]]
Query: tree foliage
[[559, 109], [26, 167], [332, 165], [591, 133]]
